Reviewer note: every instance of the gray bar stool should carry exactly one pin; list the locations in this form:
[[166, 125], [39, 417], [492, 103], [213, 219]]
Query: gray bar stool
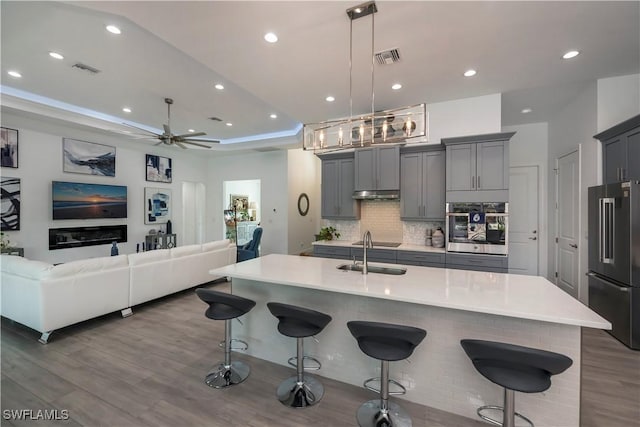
[[515, 368], [385, 342], [224, 306], [301, 390]]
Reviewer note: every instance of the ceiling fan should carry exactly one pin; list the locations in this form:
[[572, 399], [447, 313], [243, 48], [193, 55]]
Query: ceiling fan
[[169, 138]]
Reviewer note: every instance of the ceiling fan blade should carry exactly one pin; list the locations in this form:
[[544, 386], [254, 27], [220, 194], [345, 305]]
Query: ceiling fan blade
[[136, 127], [193, 143], [208, 141], [167, 130], [179, 144], [158, 143], [187, 135]]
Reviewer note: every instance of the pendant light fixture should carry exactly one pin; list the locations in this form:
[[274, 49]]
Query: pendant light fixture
[[374, 128]]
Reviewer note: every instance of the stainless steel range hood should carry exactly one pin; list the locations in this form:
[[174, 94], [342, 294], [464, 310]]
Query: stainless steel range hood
[[376, 195]]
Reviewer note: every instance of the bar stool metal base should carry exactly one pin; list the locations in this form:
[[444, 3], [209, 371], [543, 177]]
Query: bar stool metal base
[[223, 376], [370, 415], [501, 409], [295, 394]]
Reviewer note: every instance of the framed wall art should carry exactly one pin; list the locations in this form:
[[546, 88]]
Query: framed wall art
[[239, 202], [158, 169], [157, 202], [9, 147], [77, 200], [88, 158], [10, 204]]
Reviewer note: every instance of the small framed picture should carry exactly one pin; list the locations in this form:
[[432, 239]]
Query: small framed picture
[[88, 158], [158, 169], [157, 203], [9, 147]]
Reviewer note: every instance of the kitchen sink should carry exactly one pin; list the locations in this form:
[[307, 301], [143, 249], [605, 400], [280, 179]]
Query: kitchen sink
[[373, 269]]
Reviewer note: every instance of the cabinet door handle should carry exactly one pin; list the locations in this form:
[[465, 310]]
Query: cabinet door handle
[[623, 174], [478, 182], [473, 182]]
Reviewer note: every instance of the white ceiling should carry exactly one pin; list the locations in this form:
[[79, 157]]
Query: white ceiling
[[180, 49]]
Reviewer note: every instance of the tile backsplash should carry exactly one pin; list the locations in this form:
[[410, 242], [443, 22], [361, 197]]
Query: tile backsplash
[[382, 219]]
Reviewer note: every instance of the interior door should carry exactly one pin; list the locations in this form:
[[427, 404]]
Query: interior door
[[523, 220], [568, 217]]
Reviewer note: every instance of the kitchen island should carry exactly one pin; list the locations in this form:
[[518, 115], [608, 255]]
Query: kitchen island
[[450, 304]]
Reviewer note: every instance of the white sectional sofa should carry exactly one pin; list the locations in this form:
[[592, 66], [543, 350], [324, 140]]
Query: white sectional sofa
[[47, 297]]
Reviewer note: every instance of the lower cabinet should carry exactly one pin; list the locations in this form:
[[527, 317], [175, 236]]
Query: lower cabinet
[[490, 263], [375, 255], [326, 251], [424, 259]]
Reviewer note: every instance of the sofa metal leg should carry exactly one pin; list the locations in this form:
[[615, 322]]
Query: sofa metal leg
[[126, 312], [44, 338]]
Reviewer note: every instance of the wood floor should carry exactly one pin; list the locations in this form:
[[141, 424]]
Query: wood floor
[[148, 370]]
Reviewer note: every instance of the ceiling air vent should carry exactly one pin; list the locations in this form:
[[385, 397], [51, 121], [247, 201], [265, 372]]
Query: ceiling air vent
[[215, 119], [387, 56], [85, 67]]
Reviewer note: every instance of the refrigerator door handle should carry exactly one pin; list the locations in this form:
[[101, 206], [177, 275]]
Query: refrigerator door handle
[[600, 229], [611, 285], [608, 230]]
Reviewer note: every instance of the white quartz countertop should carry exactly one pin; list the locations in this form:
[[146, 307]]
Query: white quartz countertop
[[513, 295], [402, 247]]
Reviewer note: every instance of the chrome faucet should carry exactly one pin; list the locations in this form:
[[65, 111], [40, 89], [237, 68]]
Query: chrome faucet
[[367, 242]]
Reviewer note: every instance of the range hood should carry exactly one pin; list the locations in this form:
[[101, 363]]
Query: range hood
[[376, 195]]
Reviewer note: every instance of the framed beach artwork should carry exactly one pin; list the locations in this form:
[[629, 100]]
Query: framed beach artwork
[[9, 147], [157, 202], [77, 200], [158, 169], [88, 158], [10, 202]]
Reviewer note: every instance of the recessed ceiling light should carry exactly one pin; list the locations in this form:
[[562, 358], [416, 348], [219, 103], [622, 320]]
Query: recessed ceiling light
[[330, 98], [274, 116], [526, 110], [396, 86], [56, 55], [571, 54], [219, 86], [113, 29], [15, 74], [229, 124], [470, 73], [191, 130], [271, 37], [126, 109]]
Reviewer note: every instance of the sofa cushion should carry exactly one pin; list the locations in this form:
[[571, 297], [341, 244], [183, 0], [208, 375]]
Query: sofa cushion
[[24, 267], [89, 265], [149, 256], [185, 250], [215, 245]]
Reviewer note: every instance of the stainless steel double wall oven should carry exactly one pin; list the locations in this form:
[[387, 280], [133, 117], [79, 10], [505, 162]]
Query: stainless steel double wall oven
[[477, 228]]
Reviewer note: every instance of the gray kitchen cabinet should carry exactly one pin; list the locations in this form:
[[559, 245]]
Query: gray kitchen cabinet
[[477, 262], [377, 168], [477, 168], [621, 151], [424, 259], [337, 185], [331, 251], [374, 255], [422, 184]]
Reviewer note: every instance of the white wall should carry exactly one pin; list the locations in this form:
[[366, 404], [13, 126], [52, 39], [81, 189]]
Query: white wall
[[530, 147], [303, 170], [574, 125], [40, 162], [271, 169], [468, 116], [618, 100]]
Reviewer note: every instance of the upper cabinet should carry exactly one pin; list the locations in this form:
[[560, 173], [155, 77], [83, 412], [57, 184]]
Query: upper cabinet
[[377, 168], [621, 151], [422, 183], [477, 168], [337, 187]]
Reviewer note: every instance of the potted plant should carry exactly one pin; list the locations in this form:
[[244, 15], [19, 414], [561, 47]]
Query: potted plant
[[4, 241], [327, 233]]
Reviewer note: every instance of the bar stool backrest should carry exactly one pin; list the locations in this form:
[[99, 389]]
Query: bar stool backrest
[[223, 306], [386, 341]]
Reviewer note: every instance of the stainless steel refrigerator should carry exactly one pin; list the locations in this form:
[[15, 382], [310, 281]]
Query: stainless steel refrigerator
[[614, 258]]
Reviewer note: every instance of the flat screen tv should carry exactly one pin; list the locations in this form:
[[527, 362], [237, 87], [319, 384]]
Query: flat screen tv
[[75, 200]]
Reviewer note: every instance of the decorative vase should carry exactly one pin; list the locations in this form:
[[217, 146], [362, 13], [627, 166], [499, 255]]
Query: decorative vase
[[438, 238], [114, 249]]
